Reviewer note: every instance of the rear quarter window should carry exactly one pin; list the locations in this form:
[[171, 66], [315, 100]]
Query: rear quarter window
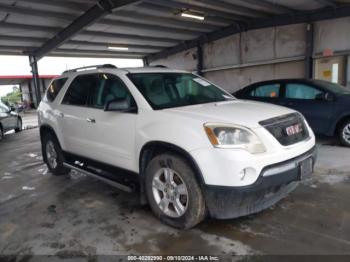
[[54, 89]]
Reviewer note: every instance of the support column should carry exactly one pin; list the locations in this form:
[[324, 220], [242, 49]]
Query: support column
[[309, 63], [199, 60], [34, 65], [145, 62]]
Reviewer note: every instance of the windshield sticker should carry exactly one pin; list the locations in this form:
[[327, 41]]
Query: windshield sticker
[[201, 81]]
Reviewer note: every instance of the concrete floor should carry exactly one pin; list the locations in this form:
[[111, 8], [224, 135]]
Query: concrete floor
[[76, 215]]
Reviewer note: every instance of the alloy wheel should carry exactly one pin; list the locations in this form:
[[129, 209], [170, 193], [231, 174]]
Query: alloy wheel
[[170, 192], [51, 154], [346, 133]]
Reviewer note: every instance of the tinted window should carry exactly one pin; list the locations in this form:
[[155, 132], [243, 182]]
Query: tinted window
[[78, 90], [109, 88], [55, 88], [270, 90], [301, 91], [167, 90]]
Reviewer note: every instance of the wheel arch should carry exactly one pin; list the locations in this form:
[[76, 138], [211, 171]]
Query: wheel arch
[[154, 148], [340, 122]]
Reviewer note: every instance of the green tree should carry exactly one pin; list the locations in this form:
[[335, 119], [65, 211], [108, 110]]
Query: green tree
[[13, 97]]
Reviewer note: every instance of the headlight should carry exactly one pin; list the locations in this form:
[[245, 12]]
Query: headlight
[[228, 136]]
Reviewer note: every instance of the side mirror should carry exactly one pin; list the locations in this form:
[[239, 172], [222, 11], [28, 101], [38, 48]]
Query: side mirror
[[12, 109], [324, 97], [329, 97], [321, 96], [119, 105]]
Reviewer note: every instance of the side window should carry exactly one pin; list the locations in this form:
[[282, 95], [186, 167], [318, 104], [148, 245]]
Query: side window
[[270, 90], [55, 88], [301, 91], [108, 88], [78, 90]]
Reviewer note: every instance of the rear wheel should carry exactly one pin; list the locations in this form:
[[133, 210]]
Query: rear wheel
[[19, 125], [53, 155], [173, 191], [344, 133]]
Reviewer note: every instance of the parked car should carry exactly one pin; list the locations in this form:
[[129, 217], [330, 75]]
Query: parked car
[[188, 146], [325, 105], [9, 120]]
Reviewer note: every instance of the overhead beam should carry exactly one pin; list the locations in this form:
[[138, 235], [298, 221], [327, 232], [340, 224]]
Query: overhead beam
[[328, 3], [130, 16], [114, 37], [120, 16], [270, 6], [279, 20], [37, 41], [102, 8], [164, 11], [207, 11], [227, 7], [120, 25]]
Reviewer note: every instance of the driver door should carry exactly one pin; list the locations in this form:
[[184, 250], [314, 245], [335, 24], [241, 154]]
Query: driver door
[[110, 134]]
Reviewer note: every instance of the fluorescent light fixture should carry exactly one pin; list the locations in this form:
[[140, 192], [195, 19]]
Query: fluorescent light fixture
[[118, 48], [193, 15]]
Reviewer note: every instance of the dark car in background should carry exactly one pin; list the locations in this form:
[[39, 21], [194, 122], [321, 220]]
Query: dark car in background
[[9, 120], [325, 105]]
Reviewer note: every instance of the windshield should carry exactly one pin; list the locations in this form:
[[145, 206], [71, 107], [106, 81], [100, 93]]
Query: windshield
[[336, 88], [168, 90]]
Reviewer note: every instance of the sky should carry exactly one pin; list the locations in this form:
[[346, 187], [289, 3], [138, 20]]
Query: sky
[[19, 65]]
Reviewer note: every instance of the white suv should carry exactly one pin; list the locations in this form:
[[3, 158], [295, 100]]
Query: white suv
[[188, 146]]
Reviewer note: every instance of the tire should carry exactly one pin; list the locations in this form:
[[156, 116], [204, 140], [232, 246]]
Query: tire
[[181, 188], [1, 133], [344, 133], [19, 125], [53, 155]]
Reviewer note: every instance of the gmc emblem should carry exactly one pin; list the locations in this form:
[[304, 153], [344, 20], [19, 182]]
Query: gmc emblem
[[293, 130]]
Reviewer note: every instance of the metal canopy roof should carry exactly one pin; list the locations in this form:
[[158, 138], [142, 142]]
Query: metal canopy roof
[[149, 28]]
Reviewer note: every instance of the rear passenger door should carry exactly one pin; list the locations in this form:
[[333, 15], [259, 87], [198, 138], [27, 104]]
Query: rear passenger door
[[267, 92], [110, 135], [307, 99]]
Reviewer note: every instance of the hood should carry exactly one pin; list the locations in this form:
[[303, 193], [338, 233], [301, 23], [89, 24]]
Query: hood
[[239, 112]]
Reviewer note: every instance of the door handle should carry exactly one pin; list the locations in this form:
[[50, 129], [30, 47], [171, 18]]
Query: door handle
[[90, 120], [61, 115]]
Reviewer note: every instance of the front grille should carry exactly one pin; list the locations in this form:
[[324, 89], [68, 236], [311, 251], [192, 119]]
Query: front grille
[[278, 127]]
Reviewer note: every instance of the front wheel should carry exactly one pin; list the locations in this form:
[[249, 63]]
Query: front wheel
[[53, 156], [344, 133], [173, 191]]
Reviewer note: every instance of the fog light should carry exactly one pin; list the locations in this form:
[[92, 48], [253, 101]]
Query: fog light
[[242, 174], [249, 171]]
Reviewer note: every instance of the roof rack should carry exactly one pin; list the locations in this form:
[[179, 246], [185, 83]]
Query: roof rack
[[89, 67]]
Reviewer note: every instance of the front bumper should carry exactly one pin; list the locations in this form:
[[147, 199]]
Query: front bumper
[[274, 183]]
